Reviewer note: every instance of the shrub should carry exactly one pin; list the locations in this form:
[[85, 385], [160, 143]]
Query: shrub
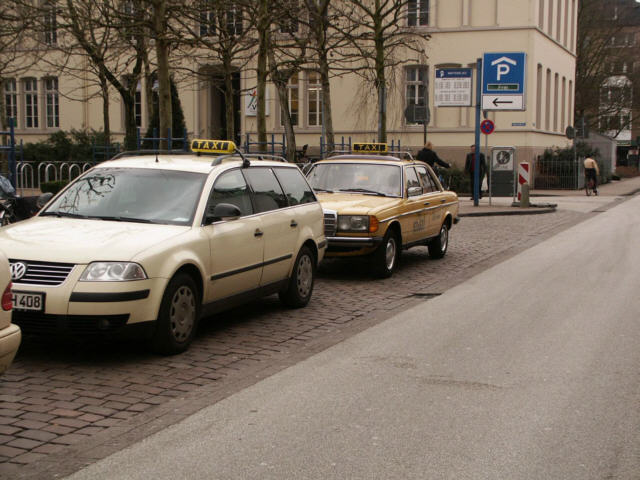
[[74, 146]]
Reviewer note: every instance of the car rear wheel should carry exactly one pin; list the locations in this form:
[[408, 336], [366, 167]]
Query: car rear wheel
[[438, 246], [178, 316], [385, 258], [300, 287]]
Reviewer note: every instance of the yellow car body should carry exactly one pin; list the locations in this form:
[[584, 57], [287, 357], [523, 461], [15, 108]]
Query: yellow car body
[[368, 199]]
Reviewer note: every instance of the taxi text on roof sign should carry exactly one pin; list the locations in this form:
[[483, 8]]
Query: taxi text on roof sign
[[213, 146], [370, 147]]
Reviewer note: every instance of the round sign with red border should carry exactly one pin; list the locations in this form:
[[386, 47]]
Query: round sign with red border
[[487, 127]]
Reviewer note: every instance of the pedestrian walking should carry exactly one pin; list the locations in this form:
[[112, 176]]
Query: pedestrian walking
[[469, 166]]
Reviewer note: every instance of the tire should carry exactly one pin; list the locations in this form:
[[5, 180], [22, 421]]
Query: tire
[[300, 286], [178, 317], [438, 246], [387, 256]]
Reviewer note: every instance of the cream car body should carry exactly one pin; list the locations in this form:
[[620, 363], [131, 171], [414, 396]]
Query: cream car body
[[10, 334], [228, 259], [397, 203]]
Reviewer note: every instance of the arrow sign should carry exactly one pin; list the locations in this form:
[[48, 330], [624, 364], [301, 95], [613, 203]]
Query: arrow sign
[[502, 102], [496, 102]]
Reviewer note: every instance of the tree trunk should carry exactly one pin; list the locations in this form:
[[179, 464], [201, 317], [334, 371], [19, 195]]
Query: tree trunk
[[104, 87], [228, 100], [164, 83], [327, 118], [263, 49], [286, 120], [381, 82]]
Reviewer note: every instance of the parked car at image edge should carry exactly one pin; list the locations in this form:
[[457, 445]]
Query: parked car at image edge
[[147, 244], [10, 334], [376, 205]]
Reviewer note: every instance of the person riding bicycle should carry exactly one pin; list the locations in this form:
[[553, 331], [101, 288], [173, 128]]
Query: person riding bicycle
[[591, 172], [430, 157]]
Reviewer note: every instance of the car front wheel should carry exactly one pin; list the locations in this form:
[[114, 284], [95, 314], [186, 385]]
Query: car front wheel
[[178, 316], [385, 258], [438, 246], [300, 286]]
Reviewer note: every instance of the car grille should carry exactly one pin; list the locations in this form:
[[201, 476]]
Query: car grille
[[44, 273], [33, 323], [330, 223]]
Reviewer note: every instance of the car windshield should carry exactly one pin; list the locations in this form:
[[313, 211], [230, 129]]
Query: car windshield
[[132, 195], [359, 177]]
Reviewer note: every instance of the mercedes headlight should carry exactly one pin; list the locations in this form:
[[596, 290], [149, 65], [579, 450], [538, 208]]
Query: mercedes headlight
[[113, 272], [353, 223]]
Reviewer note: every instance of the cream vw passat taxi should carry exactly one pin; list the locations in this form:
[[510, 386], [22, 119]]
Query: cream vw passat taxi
[[152, 241], [9, 333], [378, 204]]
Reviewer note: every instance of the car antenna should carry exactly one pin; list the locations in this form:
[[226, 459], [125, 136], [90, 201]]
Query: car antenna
[[245, 161]]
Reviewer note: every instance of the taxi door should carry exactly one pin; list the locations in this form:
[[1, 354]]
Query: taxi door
[[435, 199], [279, 223], [236, 245], [413, 221]]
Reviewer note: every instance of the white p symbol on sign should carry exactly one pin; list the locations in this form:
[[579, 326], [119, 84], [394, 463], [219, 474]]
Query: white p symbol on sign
[[503, 69]]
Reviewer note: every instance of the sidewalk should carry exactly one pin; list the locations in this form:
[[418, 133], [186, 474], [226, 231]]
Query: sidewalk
[[547, 201]]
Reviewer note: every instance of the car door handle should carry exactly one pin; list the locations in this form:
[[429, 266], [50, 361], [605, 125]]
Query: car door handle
[[443, 200], [426, 204], [294, 224], [258, 233]]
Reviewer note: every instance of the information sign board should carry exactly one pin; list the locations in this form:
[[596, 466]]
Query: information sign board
[[503, 81], [452, 87]]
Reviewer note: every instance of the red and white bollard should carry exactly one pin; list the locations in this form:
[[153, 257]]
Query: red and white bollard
[[523, 177]]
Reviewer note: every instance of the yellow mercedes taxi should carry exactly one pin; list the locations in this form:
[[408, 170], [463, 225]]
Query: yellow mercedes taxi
[[377, 204], [10, 335], [149, 242]]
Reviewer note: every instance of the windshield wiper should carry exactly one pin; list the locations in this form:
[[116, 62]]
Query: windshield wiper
[[63, 214], [365, 191], [121, 219], [323, 190]]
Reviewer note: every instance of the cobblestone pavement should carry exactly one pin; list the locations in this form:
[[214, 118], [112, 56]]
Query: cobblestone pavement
[[58, 401]]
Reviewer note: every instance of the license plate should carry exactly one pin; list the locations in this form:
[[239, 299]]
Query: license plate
[[28, 301]]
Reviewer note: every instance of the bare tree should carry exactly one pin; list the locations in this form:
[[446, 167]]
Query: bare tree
[[383, 41], [16, 29], [607, 84], [222, 32]]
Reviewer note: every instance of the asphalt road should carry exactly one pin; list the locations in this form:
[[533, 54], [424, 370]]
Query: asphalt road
[[529, 370]]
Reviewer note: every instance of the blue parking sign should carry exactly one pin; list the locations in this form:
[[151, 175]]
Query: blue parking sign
[[503, 73]]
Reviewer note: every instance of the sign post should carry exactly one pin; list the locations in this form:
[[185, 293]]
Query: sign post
[[487, 127], [476, 160]]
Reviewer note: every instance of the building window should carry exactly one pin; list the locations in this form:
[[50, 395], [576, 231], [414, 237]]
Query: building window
[[52, 102], [137, 107], [207, 19], [31, 103], [234, 20], [50, 23], [416, 85], [11, 100], [314, 99], [293, 96], [417, 13]]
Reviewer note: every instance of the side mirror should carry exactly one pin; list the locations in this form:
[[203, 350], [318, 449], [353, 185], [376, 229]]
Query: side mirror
[[221, 211], [44, 199], [413, 191]]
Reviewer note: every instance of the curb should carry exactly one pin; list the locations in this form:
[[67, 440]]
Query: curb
[[515, 211]]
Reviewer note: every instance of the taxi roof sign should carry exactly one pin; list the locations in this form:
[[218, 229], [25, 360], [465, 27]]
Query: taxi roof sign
[[212, 146], [370, 147]]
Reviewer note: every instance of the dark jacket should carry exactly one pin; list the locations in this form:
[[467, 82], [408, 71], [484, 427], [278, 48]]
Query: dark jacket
[[430, 157], [470, 160]]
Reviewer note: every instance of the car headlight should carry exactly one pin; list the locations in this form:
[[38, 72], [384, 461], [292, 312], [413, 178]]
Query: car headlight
[[113, 272], [353, 223]]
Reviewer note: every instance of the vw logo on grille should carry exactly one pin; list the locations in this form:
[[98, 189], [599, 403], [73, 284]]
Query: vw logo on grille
[[18, 270]]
